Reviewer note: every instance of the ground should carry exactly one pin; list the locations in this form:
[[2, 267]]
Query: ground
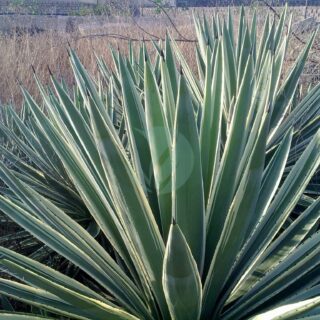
[[92, 35]]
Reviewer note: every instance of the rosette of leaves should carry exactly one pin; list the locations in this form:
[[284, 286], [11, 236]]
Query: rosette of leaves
[[191, 180]]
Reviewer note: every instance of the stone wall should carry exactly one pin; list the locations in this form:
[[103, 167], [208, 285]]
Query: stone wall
[[219, 3], [10, 24], [70, 7], [38, 23], [61, 7], [44, 7]]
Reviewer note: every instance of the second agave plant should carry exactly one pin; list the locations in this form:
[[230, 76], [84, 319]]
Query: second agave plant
[[174, 195]]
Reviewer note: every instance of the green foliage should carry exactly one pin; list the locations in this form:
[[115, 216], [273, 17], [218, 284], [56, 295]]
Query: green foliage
[[23, 6], [159, 4], [169, 195]]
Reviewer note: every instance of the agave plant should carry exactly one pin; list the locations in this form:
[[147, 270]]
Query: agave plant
[[28, 154], [199, 186]]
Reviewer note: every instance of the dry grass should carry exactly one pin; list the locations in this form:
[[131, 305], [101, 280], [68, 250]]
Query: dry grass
[[49, 49]]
